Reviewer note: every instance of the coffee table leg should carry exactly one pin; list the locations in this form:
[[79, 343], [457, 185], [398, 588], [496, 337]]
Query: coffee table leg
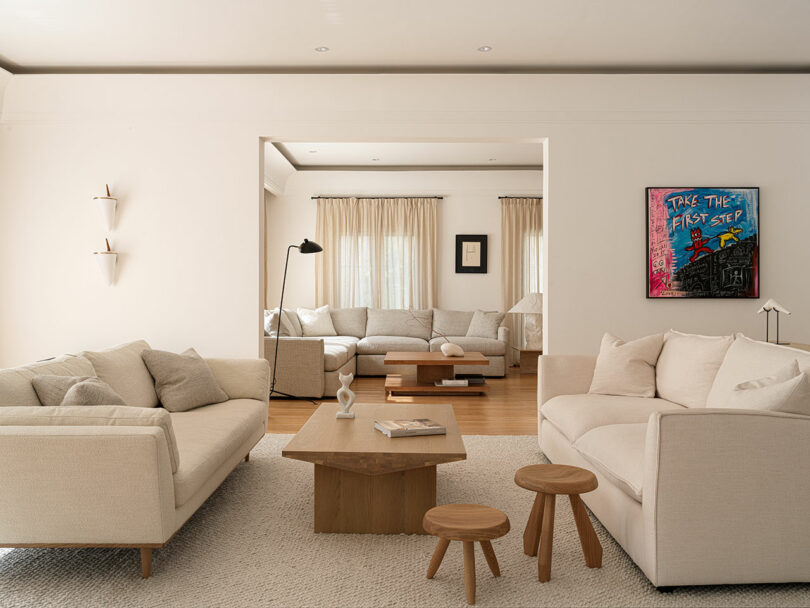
[[438, 556], [489, 553], [531, 536], [546, 540], [469, 570], [591, 547]]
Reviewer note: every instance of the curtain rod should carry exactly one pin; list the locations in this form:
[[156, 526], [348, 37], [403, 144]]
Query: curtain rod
[[381, 196], [537, 197]]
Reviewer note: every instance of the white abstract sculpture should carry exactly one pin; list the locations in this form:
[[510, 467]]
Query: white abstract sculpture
[[452, 350], [345, 396], [772, 305]]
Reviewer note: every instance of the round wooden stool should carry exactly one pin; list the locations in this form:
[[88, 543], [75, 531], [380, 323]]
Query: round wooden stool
[[548, 480], [467, 523]]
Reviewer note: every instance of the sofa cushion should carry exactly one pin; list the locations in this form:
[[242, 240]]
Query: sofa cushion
[[788, 390], [350, 321], [15, 383], [337, 350], [316, 322], [405, 323], [208, 436], [617, 452], [485, 346], [627, 368], [124, 370], [749, 359], [380, 345], [290, 325], [485, 324], [575, 415], [183, 381], [452, 322], [688, 365], [54, 390]]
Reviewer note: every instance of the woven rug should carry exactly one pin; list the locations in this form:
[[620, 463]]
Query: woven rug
[[251, 544]]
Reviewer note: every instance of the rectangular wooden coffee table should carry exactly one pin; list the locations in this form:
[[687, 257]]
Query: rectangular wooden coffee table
[[430, 367], [366, 482]]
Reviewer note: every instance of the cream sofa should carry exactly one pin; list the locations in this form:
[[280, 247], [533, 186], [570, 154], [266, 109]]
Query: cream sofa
[[694, 495], [118, 476], [309, 366]]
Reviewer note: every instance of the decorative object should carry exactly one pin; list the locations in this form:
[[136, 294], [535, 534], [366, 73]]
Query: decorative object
[[772, 305], [703, 242], [306, 247], [532, 307], [107, 261], [471, 253], [430, 367], [107, 206], [345, 396], [451, 350], [469, 524]]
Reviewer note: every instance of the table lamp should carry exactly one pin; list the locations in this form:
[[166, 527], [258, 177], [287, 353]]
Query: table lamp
[[772, 305], [532, 307]]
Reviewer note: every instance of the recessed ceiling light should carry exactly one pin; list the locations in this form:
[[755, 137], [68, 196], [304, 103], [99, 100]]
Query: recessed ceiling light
[[485, 49], [322, 49]]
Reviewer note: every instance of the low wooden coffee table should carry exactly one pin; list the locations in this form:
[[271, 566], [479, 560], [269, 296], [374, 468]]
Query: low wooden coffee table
[[366, 482], [430, 367]]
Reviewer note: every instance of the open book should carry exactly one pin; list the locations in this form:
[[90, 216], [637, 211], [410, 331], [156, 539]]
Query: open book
[[409, 428]]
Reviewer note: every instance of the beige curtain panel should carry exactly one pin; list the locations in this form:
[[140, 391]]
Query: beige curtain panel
[[377, 252], [521, 257]]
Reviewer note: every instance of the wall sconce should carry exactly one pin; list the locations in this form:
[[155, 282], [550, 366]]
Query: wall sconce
[[107, 261], [107, 205]]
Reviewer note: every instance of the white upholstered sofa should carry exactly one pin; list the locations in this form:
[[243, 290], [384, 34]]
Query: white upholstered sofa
[[695, 495], [118, 476], [309, 365]]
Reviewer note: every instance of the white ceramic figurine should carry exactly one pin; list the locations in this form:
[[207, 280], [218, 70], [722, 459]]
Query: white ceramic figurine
[[345, 396]]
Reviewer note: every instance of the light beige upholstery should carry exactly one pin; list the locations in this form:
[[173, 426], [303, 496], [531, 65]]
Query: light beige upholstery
[[337, 351], [379, 345], [300, 365], [242, 378], [485, 346], [124, 370], [406, 323], [617, 451], [452, 322], [349, 321], [689, 356], [331, 379], [15, 383], [563, 375]]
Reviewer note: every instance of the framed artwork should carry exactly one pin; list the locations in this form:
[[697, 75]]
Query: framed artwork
[[703, 242], [471, 253]]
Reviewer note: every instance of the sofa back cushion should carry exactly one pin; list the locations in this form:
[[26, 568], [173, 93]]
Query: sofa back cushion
[[788, 390], [404, 323], [452, 322], [101, 415], [316, 322], [747, 360], [485, 324], [15, 383], [349, 321], [55, 390], [688, 365], [627, 368], [124, 370], [290, 324], [183, 382]]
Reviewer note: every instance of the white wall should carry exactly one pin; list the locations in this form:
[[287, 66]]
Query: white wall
[[182, 152], [470, 206]]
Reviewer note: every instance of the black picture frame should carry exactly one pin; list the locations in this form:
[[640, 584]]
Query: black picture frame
[[479, 240]]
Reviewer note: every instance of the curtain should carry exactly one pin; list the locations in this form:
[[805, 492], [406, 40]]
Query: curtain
[[521, 257], [377, 252]]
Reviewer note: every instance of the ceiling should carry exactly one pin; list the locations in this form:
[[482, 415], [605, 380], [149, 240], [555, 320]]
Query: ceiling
[[426, 155], [402, 35]]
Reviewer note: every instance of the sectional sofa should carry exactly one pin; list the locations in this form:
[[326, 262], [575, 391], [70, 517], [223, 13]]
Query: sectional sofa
[[695, 493], [308, 366], [119, 476]]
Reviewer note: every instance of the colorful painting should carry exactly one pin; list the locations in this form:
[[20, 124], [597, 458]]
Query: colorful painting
[[702, 242]]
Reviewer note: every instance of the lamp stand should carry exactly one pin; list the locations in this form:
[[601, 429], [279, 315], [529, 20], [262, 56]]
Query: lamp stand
[[532, 332]]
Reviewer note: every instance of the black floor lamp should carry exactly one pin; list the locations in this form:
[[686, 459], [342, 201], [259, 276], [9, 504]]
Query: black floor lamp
[[306, 247]]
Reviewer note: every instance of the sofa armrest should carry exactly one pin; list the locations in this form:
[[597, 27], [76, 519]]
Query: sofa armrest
[[242, 378], [563, 375], [300, 365], [725, 495], [85, 485], [503, 335]]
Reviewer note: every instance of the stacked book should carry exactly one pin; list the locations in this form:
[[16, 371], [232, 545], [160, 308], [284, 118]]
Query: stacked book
[[409, 428], [451, 382]]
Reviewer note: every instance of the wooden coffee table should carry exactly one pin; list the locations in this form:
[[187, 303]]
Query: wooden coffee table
[[430, 367], [366, 482]]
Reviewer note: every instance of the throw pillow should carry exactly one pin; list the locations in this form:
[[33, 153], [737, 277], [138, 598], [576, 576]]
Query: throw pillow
[[349, 321], [452, 322], [485, 324], [123, 369], [316, 322], [687, 367], [288, 327], [183, 381], [74, 390], [788, 390], [627, 368]]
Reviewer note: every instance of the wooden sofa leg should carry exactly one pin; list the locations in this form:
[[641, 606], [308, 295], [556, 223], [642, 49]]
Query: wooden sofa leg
[[146, 562], [247, 457]]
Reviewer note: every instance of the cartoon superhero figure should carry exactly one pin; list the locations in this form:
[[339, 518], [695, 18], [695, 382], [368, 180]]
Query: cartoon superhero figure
[[729, 235], [698, 245]]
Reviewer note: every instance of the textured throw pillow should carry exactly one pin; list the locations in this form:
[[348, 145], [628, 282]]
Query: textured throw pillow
[[452, 322], [74, 390], [688, 365], [627, 368], [349, 321], [316, 322], [183, 381], [399, 322], [123, 369], [788, 390], [288, 327], [485, 324]]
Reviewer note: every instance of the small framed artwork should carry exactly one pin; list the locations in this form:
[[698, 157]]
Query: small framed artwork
[[471, 253], [703, 242]]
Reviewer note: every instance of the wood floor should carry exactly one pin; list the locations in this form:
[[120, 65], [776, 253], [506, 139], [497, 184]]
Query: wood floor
[[510, 408]]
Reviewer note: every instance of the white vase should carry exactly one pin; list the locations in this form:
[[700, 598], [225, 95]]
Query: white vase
[[107, 206], [452, 350], [345, 396], [107, 261]]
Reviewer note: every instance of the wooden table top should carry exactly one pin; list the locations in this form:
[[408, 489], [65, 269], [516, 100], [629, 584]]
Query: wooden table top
[[423, 358], [355, 445]]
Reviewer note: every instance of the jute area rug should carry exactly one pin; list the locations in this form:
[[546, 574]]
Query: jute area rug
[[252, 544]]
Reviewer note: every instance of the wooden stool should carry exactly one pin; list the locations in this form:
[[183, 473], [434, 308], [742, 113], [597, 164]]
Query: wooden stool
[[548, 480], [467, 523]]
